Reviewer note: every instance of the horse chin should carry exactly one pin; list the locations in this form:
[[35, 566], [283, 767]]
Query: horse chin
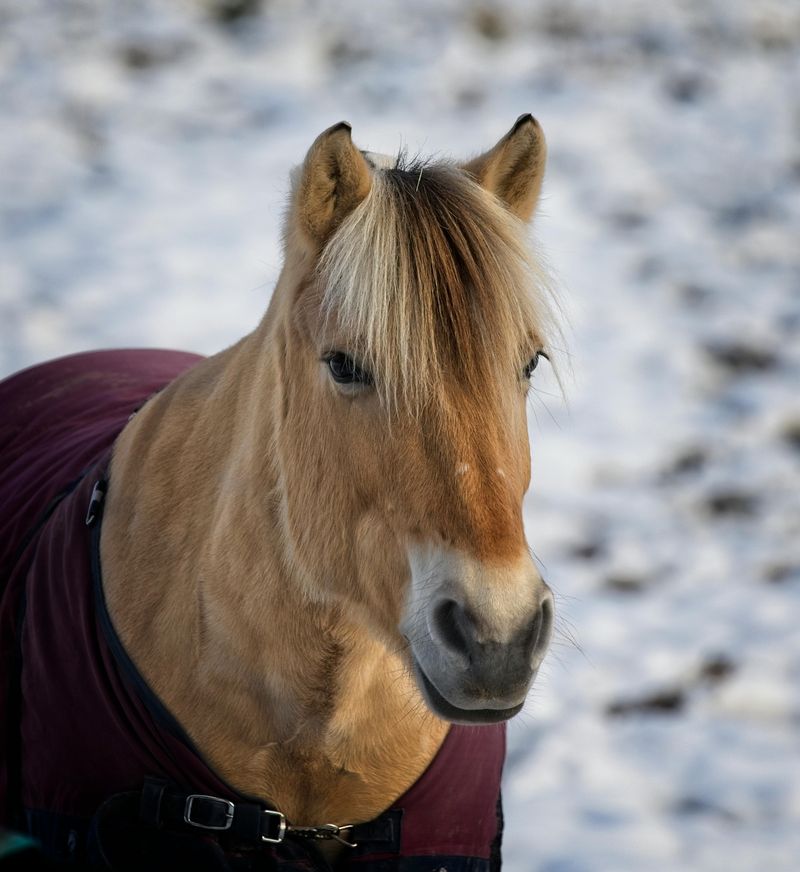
[[446, 710]]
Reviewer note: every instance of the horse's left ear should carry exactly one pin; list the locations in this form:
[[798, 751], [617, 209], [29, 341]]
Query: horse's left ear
[[513, 170], [333, 180]]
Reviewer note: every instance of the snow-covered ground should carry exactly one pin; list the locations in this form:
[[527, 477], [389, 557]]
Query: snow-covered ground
[[144, 152]]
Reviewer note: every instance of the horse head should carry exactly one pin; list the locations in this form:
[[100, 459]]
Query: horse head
[[408, 321]]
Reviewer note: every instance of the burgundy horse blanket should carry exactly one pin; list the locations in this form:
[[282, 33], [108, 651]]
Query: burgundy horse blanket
[[92, 764]]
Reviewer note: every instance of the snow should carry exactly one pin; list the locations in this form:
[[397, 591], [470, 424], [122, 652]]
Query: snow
[[144, 155]]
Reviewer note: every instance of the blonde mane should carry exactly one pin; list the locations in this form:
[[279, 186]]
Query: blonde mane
[[431, 277]]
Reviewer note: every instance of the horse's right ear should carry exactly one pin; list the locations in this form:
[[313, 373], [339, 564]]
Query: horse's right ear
[[333, 180]]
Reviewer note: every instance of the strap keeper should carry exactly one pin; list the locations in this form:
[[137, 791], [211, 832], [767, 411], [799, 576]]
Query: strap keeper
[[150, 801]]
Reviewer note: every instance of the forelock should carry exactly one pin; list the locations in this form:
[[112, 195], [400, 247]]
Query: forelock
[[431, 277]]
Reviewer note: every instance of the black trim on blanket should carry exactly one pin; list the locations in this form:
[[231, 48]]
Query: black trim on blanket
[[163, 716], [496, 858]]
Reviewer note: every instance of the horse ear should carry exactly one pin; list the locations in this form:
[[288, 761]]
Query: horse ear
[[513, 170], [334, 179]]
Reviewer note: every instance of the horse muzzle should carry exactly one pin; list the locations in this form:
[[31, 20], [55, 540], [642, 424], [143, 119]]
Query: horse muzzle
[[477, 641]]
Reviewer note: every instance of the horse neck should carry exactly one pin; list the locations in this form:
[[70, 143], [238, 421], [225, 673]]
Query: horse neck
[[285, 695]]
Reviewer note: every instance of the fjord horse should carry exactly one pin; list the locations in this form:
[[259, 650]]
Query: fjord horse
[[312, 545]]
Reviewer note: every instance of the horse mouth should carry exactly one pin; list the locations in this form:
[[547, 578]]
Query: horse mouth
[[445, 709]]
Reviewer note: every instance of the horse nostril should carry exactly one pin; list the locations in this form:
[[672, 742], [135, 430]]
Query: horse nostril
[[541, 631], [453, 627]]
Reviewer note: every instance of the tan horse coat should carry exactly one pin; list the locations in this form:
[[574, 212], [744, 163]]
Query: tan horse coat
[[253, 548]]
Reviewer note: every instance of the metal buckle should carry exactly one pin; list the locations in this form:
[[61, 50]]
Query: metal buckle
[[187, 811], [281, 827], [336, 833], [98, 494]]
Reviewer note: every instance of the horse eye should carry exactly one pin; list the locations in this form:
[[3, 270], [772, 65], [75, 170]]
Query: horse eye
[[345, 371], [531, 365]]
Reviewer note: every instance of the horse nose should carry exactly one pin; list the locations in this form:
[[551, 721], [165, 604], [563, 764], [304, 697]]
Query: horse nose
[[453, 627], [458, 630]]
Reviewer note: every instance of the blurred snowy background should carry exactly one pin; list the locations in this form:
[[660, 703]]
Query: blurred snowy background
[[144, 152]]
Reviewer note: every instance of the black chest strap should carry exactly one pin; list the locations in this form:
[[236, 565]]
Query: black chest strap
[[221, 831]]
